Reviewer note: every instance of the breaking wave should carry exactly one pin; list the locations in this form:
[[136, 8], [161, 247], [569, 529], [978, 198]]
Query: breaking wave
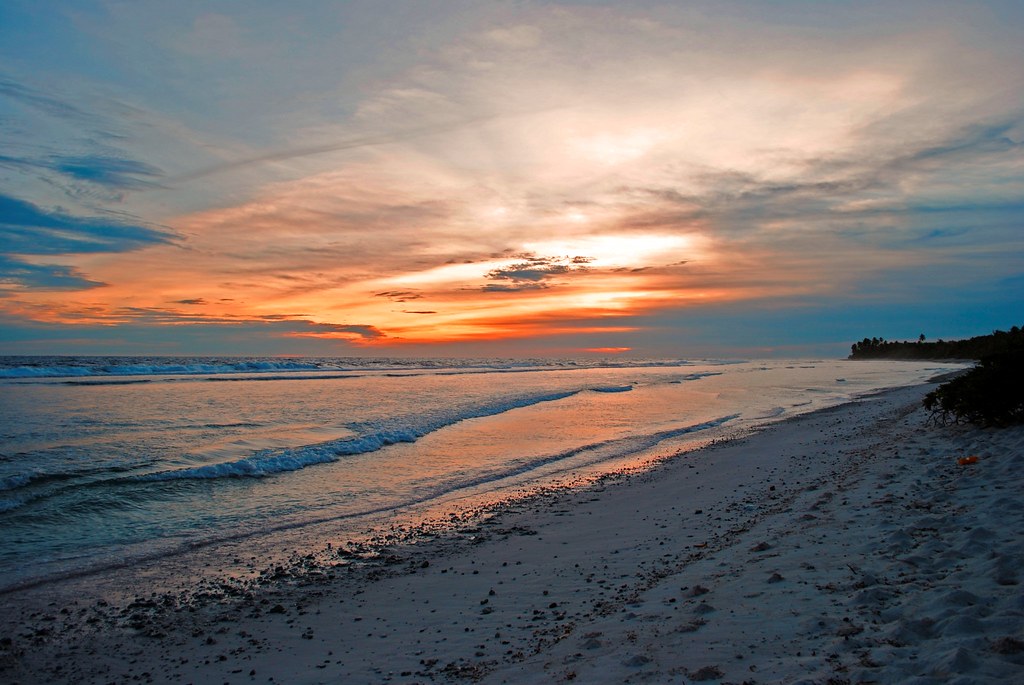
[[270, 462]]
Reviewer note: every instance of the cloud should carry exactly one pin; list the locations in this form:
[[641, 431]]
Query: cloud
[[776, 159], [16, 274], [351, 332], [976, 139], [874, 191], [531, 273], [399, 295], [279, 325], [104, 171], [25, 229], [354, 143], [513, 287], [43, 103], [172, 318], [528, 272], [148, 332], [107, 171], [80, 139]]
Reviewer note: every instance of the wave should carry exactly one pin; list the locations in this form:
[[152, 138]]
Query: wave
[[21, 489], [270, 462], [89, 367], [153, 369], [603, 451], [15, 481], [19, 481], [36, 478], [225, 377], [7, 505]]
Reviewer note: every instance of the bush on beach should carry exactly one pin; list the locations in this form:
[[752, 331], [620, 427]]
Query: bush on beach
[[990, 394]]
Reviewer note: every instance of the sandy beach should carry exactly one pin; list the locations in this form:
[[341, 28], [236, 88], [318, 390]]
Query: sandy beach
[[846, 545]]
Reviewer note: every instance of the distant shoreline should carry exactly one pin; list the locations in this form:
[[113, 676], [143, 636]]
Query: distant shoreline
[[970, 349]]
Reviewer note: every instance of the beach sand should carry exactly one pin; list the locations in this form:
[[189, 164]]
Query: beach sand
[[847, 545]]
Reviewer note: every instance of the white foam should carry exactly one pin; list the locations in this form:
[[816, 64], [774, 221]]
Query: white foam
[[269, 462]]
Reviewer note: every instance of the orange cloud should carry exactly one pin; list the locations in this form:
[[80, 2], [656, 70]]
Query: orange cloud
[[556, 177]]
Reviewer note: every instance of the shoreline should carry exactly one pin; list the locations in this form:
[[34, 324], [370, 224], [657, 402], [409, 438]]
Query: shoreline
[[258, 513], [618, 581]]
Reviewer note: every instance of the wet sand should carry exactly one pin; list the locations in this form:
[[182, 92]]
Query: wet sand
[[847, 544]]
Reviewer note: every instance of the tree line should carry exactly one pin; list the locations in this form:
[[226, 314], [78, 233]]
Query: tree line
[[978, 347], [989, 394]]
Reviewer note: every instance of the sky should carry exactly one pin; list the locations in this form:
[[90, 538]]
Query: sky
[[425, 178]]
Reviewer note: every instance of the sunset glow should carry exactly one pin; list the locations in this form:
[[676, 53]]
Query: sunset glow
[[629, 179]]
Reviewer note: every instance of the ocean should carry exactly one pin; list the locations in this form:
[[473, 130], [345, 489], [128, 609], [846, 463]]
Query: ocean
[[108, 460]]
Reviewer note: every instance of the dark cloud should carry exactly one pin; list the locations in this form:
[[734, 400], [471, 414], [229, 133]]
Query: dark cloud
[[735, 191], [26, 229], [528, 271], [975, 143], [536, 269], [107, 171], [140, 331], [512, 287], [399, 295], [197, 300], [410, 311], [533, 272], [17, 274], [271, 324], [970, 141], [318, 330]]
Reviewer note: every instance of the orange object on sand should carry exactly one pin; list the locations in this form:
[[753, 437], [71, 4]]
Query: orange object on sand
[[964, 461]]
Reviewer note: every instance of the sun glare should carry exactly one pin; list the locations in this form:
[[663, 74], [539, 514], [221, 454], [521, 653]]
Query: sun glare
[[617, 148], [620, 250]]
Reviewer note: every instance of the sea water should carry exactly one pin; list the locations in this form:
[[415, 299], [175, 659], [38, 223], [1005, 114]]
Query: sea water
[[106, 460]]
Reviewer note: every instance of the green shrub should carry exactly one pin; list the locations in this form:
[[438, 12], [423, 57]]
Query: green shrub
[[990, 394]]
